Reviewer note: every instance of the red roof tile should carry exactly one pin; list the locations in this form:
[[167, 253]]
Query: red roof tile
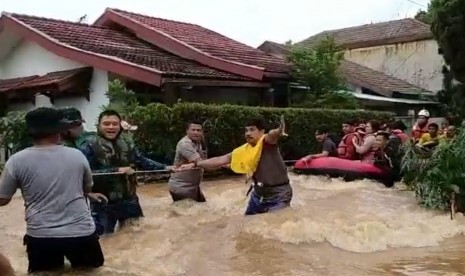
[[36, 81], [210, 42], [11, 84], [397, 31], [127, 47]]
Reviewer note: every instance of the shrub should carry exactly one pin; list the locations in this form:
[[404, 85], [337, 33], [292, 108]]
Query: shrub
[[439, 179], [161, 127], [13, 131]]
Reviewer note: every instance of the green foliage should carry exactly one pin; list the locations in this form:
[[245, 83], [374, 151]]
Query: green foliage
[[161, 127], [447, 20], [436, 176], [13, 131], [317, 69], [120, 98], [423, 16], [452, 95], [448, 28], [330, 100]]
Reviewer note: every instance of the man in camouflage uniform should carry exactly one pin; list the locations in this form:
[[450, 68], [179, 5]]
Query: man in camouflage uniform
[[108, 152], [74, 137]]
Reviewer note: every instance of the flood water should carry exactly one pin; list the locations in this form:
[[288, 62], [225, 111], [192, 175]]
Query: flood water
[[333, 228]]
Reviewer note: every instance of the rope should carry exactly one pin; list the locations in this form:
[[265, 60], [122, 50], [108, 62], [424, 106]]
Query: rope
[[160, 171]]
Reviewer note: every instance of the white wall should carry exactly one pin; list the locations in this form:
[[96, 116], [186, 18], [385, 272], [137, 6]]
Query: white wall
[[416, 62], [29, 59]]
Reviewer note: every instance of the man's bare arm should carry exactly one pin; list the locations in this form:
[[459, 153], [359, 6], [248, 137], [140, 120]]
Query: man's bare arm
[[273, 135], [215, 162]]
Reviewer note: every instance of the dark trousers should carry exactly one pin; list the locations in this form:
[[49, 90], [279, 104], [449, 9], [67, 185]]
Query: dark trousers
[[257, 206], [48, 254], [196, 195], [107, 215]]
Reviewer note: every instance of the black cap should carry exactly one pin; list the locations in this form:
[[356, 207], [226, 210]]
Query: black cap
[[72, 114], [45, 121]]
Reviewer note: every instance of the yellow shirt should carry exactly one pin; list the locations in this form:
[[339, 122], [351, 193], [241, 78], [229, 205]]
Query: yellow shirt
[[244, 159], [425, 138]]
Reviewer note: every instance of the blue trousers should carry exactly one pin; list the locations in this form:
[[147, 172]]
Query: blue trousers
[[258, 206], [107, 215]]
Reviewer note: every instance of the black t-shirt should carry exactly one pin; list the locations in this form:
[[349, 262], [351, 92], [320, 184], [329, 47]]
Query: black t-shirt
[[330, 147]]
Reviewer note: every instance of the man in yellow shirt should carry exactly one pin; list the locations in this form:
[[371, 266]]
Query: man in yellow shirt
[[432, 138]]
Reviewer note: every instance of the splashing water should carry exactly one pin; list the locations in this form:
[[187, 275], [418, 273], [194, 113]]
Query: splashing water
[[333, 228]]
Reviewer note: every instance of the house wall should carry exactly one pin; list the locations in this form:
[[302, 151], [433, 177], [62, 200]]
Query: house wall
[[29, 59], [416, 62]]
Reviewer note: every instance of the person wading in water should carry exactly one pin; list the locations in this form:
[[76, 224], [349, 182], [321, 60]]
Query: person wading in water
[[54, 181], [271, 189], [108, 152], [186, 184]]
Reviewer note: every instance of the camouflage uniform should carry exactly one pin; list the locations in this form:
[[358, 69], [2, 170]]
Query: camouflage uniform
[[107, 156], [73, 114]]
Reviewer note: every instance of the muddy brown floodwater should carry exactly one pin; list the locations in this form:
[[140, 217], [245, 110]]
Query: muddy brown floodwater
[[333, 228]]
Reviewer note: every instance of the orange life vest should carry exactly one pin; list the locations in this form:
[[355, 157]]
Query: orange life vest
[[418, 131], [342, 147]]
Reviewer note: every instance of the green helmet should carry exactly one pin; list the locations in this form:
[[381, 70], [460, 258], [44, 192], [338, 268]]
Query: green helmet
[[72, 114]]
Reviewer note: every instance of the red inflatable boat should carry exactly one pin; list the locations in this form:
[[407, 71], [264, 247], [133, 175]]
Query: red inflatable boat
[[336, 167]]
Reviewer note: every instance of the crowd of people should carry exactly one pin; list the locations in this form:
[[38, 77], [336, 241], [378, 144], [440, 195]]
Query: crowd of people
[[380, 144], [77, 189]]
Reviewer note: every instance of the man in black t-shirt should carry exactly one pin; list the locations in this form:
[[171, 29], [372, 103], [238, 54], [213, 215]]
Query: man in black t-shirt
[[329, 147]]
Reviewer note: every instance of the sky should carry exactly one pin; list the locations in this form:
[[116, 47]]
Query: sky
[[248, 21]]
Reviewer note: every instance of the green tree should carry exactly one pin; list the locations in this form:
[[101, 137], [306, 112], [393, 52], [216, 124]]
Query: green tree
[[120, 98], [13, 131], [317, 68], [423, 16], [447, 18]]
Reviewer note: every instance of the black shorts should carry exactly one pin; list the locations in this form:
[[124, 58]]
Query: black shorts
[[48, 254]]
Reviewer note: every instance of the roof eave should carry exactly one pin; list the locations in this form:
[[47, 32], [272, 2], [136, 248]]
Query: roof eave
[[363, 83], [388, 41], [177, 47], [104, 62]]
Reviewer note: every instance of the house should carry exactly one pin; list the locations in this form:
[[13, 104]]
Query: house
[[387, 65], [50, 62], [403, 48]]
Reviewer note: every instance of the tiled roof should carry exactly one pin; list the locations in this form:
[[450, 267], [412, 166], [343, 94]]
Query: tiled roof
[[377, 81], [397, 31], [366, 77], [109, 42], [11, 84], [274, 48], [53, 78], [210, 42]]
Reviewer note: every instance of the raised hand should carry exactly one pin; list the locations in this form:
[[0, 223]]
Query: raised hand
[[282, 126]]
